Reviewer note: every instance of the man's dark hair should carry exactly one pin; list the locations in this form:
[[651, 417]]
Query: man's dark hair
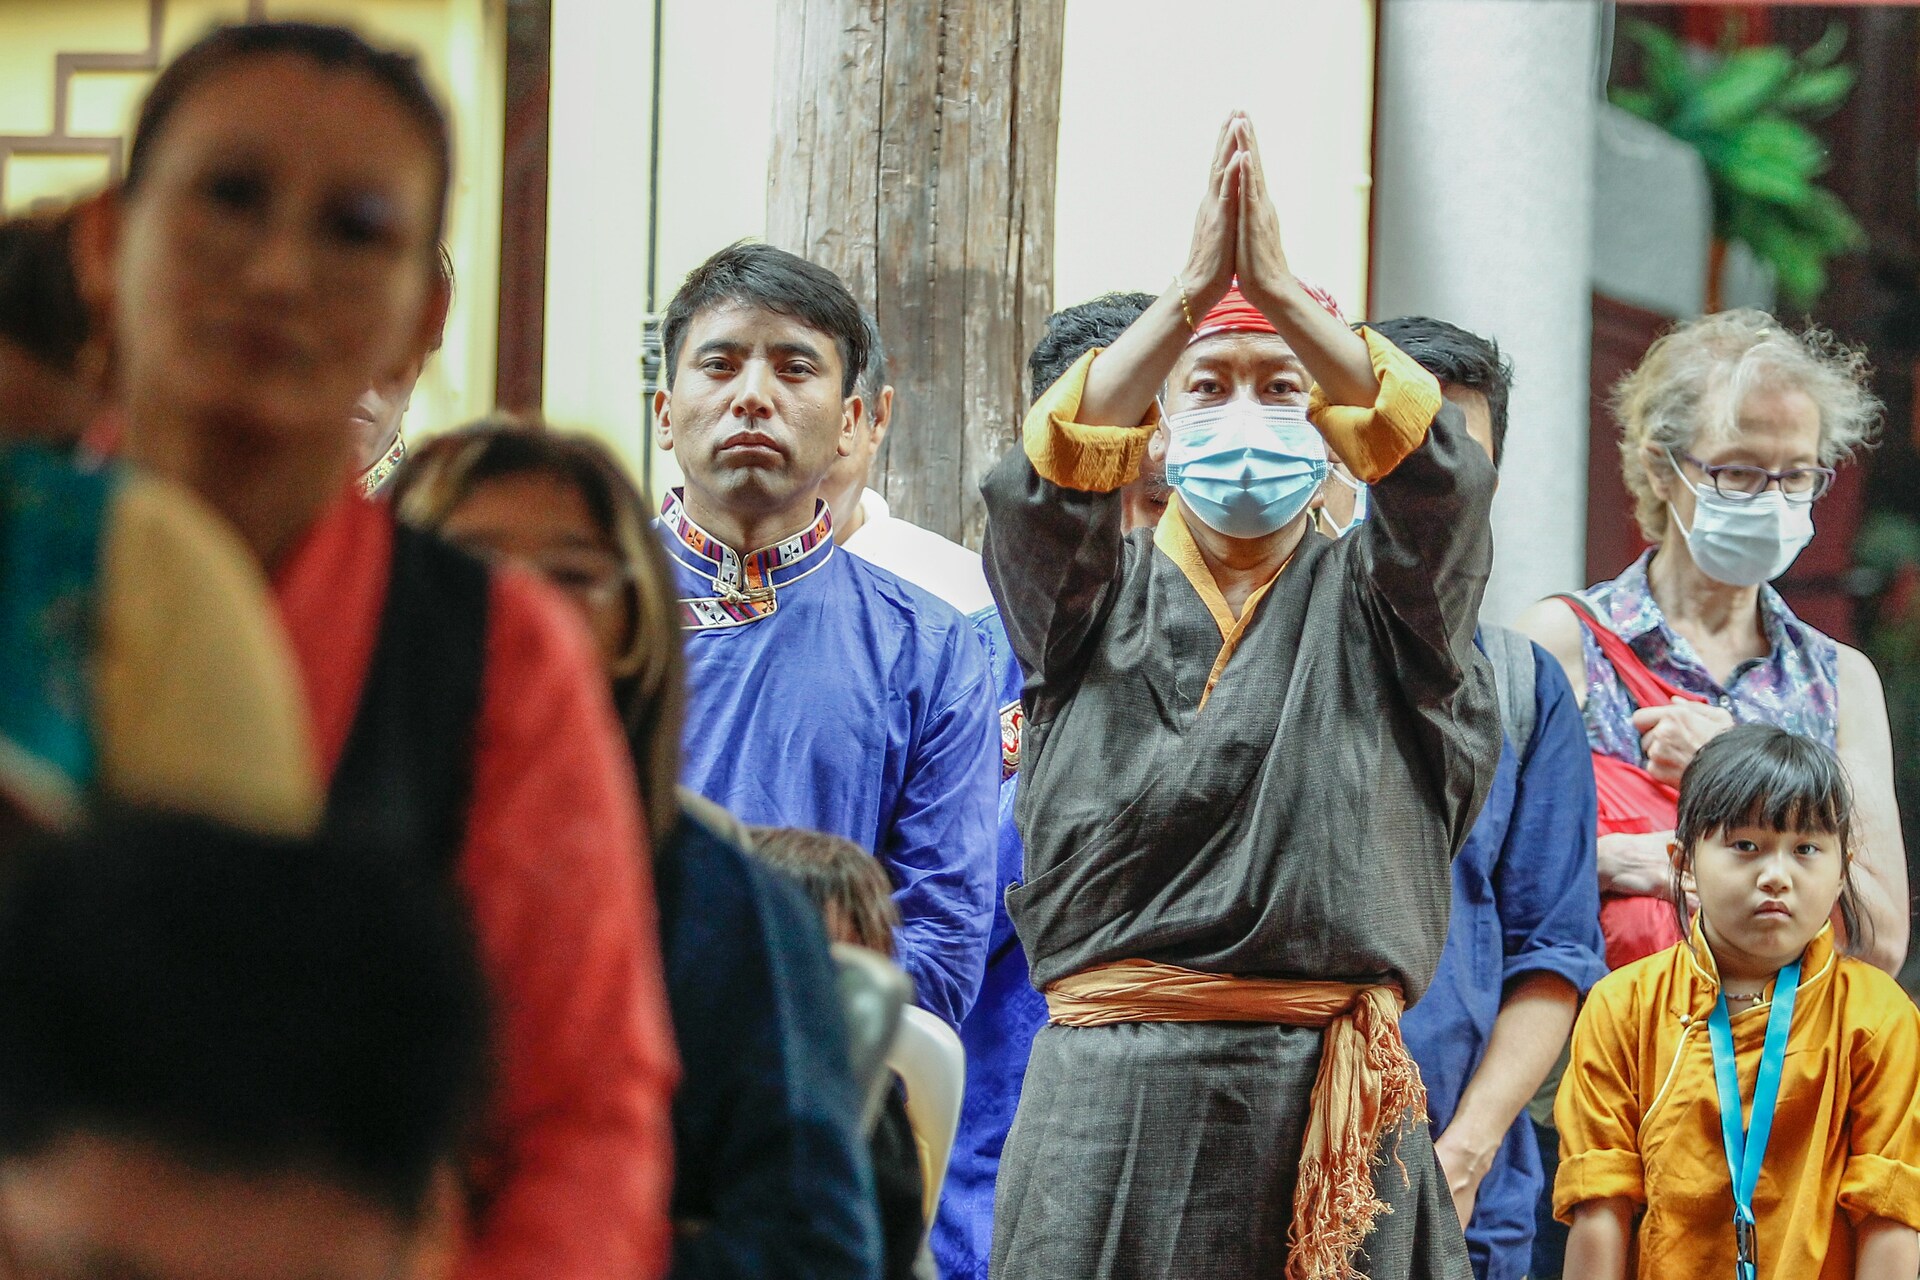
[[1460, 359], [246, 1005], [873, 374], [334, 48], [1756, 775], [1076, 330], [40, 307], [759, 275]]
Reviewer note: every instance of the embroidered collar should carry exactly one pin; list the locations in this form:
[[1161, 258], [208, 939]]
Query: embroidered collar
[[376, 475], [746, 587]]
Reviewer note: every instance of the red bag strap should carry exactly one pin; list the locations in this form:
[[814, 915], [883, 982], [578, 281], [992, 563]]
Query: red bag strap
[[1644, 688]]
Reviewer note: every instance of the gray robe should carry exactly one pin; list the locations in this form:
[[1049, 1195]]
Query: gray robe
[[1300, 826]]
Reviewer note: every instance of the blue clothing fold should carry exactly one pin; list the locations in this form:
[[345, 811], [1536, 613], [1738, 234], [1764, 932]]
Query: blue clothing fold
[[771, 1169], [999, 1032], [1526, 900], [828, 694]]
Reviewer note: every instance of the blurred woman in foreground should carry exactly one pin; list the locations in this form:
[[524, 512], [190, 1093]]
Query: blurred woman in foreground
[[771, 1176]]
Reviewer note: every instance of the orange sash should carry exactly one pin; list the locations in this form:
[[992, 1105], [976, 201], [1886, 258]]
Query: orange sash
[[1367, 1085]]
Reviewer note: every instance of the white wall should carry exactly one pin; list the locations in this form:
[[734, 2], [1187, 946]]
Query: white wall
[[1144, 88], [601, 108], [1135, 138], [1483, 216]]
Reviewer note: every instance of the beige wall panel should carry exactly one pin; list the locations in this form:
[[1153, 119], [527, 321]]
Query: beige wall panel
[[1137, 131], [37, 182], [461, 44]]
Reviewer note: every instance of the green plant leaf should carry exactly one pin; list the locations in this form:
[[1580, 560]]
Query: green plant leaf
[[1664, 64], [1817, 93], [1824, 221], [1823, 51], [1640, 102], [1771, 153], [1739, 87]]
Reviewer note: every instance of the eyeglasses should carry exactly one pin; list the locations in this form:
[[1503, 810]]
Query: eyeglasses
[[1738, 482]]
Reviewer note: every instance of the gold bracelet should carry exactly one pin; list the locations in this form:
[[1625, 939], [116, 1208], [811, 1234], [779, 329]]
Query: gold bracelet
[[1186, 308]]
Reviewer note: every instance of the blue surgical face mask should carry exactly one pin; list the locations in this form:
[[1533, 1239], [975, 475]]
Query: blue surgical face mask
[[1245, 468]]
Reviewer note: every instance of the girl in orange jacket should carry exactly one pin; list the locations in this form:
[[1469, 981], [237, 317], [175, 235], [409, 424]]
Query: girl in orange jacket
[[1746, 1103]]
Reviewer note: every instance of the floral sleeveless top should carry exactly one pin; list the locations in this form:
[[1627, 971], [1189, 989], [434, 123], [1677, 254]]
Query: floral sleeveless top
[[1796, 686]]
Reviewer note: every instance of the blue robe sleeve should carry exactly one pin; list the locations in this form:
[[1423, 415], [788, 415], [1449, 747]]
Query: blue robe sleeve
[[939, 848], [1545, 886]]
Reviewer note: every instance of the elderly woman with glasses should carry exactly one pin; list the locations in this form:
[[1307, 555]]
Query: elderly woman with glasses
[[1731, 427]]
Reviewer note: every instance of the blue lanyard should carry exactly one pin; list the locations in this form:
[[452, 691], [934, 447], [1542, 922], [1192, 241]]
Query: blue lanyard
[[1746, 1149]]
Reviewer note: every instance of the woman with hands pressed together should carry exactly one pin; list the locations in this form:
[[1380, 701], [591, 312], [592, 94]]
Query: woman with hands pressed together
[[1250, 753]]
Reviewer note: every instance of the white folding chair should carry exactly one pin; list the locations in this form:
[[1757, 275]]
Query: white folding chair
[[930, 1061]]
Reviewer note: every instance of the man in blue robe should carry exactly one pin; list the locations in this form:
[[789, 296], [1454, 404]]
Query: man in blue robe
[[1523, 934], [823, 692]]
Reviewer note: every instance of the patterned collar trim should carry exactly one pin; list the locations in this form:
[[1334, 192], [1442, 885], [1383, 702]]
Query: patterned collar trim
[[375, 476], [746, 587]]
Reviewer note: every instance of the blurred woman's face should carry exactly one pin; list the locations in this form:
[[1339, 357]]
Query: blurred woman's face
[[277, 258], [542, 523]]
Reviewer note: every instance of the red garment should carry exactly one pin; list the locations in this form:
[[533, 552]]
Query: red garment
[[1633, 802], [1234, 314], [576, 1173]]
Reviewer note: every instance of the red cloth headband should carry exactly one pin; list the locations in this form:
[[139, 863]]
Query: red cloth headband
[[1234, 314]]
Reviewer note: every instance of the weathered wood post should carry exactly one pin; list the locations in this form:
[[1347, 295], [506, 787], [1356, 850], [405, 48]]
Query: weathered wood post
[[913, 153]]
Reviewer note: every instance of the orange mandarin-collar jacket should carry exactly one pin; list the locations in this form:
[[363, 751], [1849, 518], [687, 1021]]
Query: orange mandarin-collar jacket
[[1639, 1114]]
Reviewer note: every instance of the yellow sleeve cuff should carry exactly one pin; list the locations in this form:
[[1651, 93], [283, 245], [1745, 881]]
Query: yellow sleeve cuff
[[1076, 455], [1874, 1186], [1373, 440], [1597, 1175]]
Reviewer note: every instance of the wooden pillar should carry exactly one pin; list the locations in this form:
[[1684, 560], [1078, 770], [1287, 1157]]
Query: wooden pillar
[[913, 153]]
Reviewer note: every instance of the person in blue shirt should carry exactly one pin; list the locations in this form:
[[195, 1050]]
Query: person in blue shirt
[[823, 692], [998, 1033], [1523, 941]]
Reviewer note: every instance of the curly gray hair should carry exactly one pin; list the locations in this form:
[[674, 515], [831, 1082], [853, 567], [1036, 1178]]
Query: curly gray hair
[[1690, 385]]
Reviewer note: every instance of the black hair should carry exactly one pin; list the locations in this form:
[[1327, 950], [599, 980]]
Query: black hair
[[247, 1005], [1757, 775], [873, 374], [41, 311], [834, 873], [760, 275], [335, 48], [1076, 330], [1457, 358]]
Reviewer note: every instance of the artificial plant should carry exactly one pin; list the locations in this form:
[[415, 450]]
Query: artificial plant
[[1744, 110]]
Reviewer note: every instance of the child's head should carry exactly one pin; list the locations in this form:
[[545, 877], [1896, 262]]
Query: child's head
[[845, 881], [1765, 837]]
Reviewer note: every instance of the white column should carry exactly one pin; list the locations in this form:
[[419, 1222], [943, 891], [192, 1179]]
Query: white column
[[1483, 214], [597, 226]]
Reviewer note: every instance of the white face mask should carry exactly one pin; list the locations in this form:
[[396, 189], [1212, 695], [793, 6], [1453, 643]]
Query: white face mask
[[1359, 487], [1744, 544]]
